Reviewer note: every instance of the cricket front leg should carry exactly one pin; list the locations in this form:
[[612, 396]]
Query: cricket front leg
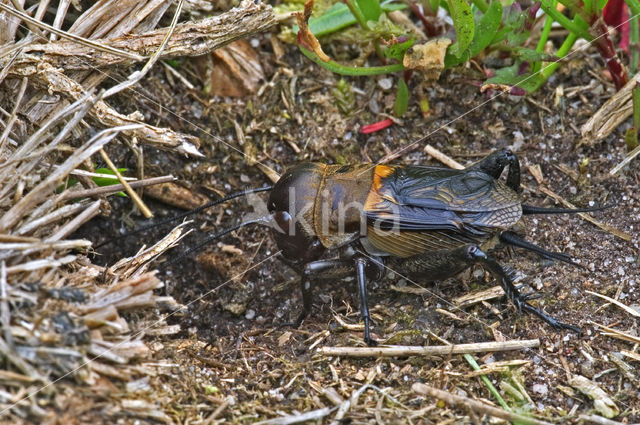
[[312, 271]]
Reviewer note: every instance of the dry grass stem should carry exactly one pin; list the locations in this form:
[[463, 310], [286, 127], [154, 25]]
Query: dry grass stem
[[132, 193], [475, 406], [623, 306], [443, 350], [115, 188], [610, 115]]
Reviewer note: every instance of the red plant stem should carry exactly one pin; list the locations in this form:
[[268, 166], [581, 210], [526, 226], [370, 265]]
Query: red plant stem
[[605, 46], [429, 28]]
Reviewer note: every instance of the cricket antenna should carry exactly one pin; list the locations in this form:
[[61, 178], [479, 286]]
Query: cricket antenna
[[532, 209], [187, 213], [266, 220]]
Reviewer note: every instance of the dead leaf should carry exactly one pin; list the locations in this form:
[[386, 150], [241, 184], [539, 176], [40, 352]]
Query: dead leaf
[[305, 36], [236, 70]]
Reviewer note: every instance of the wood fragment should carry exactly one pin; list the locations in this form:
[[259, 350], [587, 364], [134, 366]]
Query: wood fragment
[[177, 196], [479, 296], [403, 351], [473, 405], [445, 159], [610, 115]]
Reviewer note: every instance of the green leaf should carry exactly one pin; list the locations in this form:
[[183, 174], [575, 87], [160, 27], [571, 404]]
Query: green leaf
[[339, 17], [370, 9], [463, 23], [532, 55], [397, 50], [486, 28], [402, 99], [529, 82], [106, 181], [334, 19]]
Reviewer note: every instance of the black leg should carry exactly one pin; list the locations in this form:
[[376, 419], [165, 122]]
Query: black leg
[[314, 270], [360, 264], [515, 240], [512, 293]]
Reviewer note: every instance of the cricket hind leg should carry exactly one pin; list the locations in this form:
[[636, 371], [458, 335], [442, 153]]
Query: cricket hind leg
[[512, 293], [511, 238]]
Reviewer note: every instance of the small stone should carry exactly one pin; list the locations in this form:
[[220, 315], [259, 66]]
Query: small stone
[[541, 389], [250, 314], [385, 83]]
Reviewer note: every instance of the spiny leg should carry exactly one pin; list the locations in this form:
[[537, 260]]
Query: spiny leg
[[520, 301], [360, 264], [314, 270], [511, 238]]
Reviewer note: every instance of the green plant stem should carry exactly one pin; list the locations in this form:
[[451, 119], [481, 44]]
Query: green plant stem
[[349, 70], [481, 4], [634, 39], [474, 365], [544, 36], [549, 7], [635, 8], [550, 68], [357, 13]]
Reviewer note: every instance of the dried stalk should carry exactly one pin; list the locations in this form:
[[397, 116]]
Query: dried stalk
[[104, 190], [475, 406], [189, 39], [442, 350]]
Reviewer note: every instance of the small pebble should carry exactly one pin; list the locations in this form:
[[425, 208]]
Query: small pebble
[[541, 389], [385, 83]]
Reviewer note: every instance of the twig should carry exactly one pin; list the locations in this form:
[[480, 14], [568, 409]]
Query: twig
[[138, 75], [476, 406], [42, 190], [625, 307], [189, 39], [614, 333], [445, 159], [132, 193], [5, 313], [98, 191], [441, 350], [41, 264], [52, 217], [14, 113], [77, 221], [630, 156]]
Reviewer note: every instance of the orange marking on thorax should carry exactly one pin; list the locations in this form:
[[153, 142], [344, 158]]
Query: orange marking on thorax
[[380, 172]]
